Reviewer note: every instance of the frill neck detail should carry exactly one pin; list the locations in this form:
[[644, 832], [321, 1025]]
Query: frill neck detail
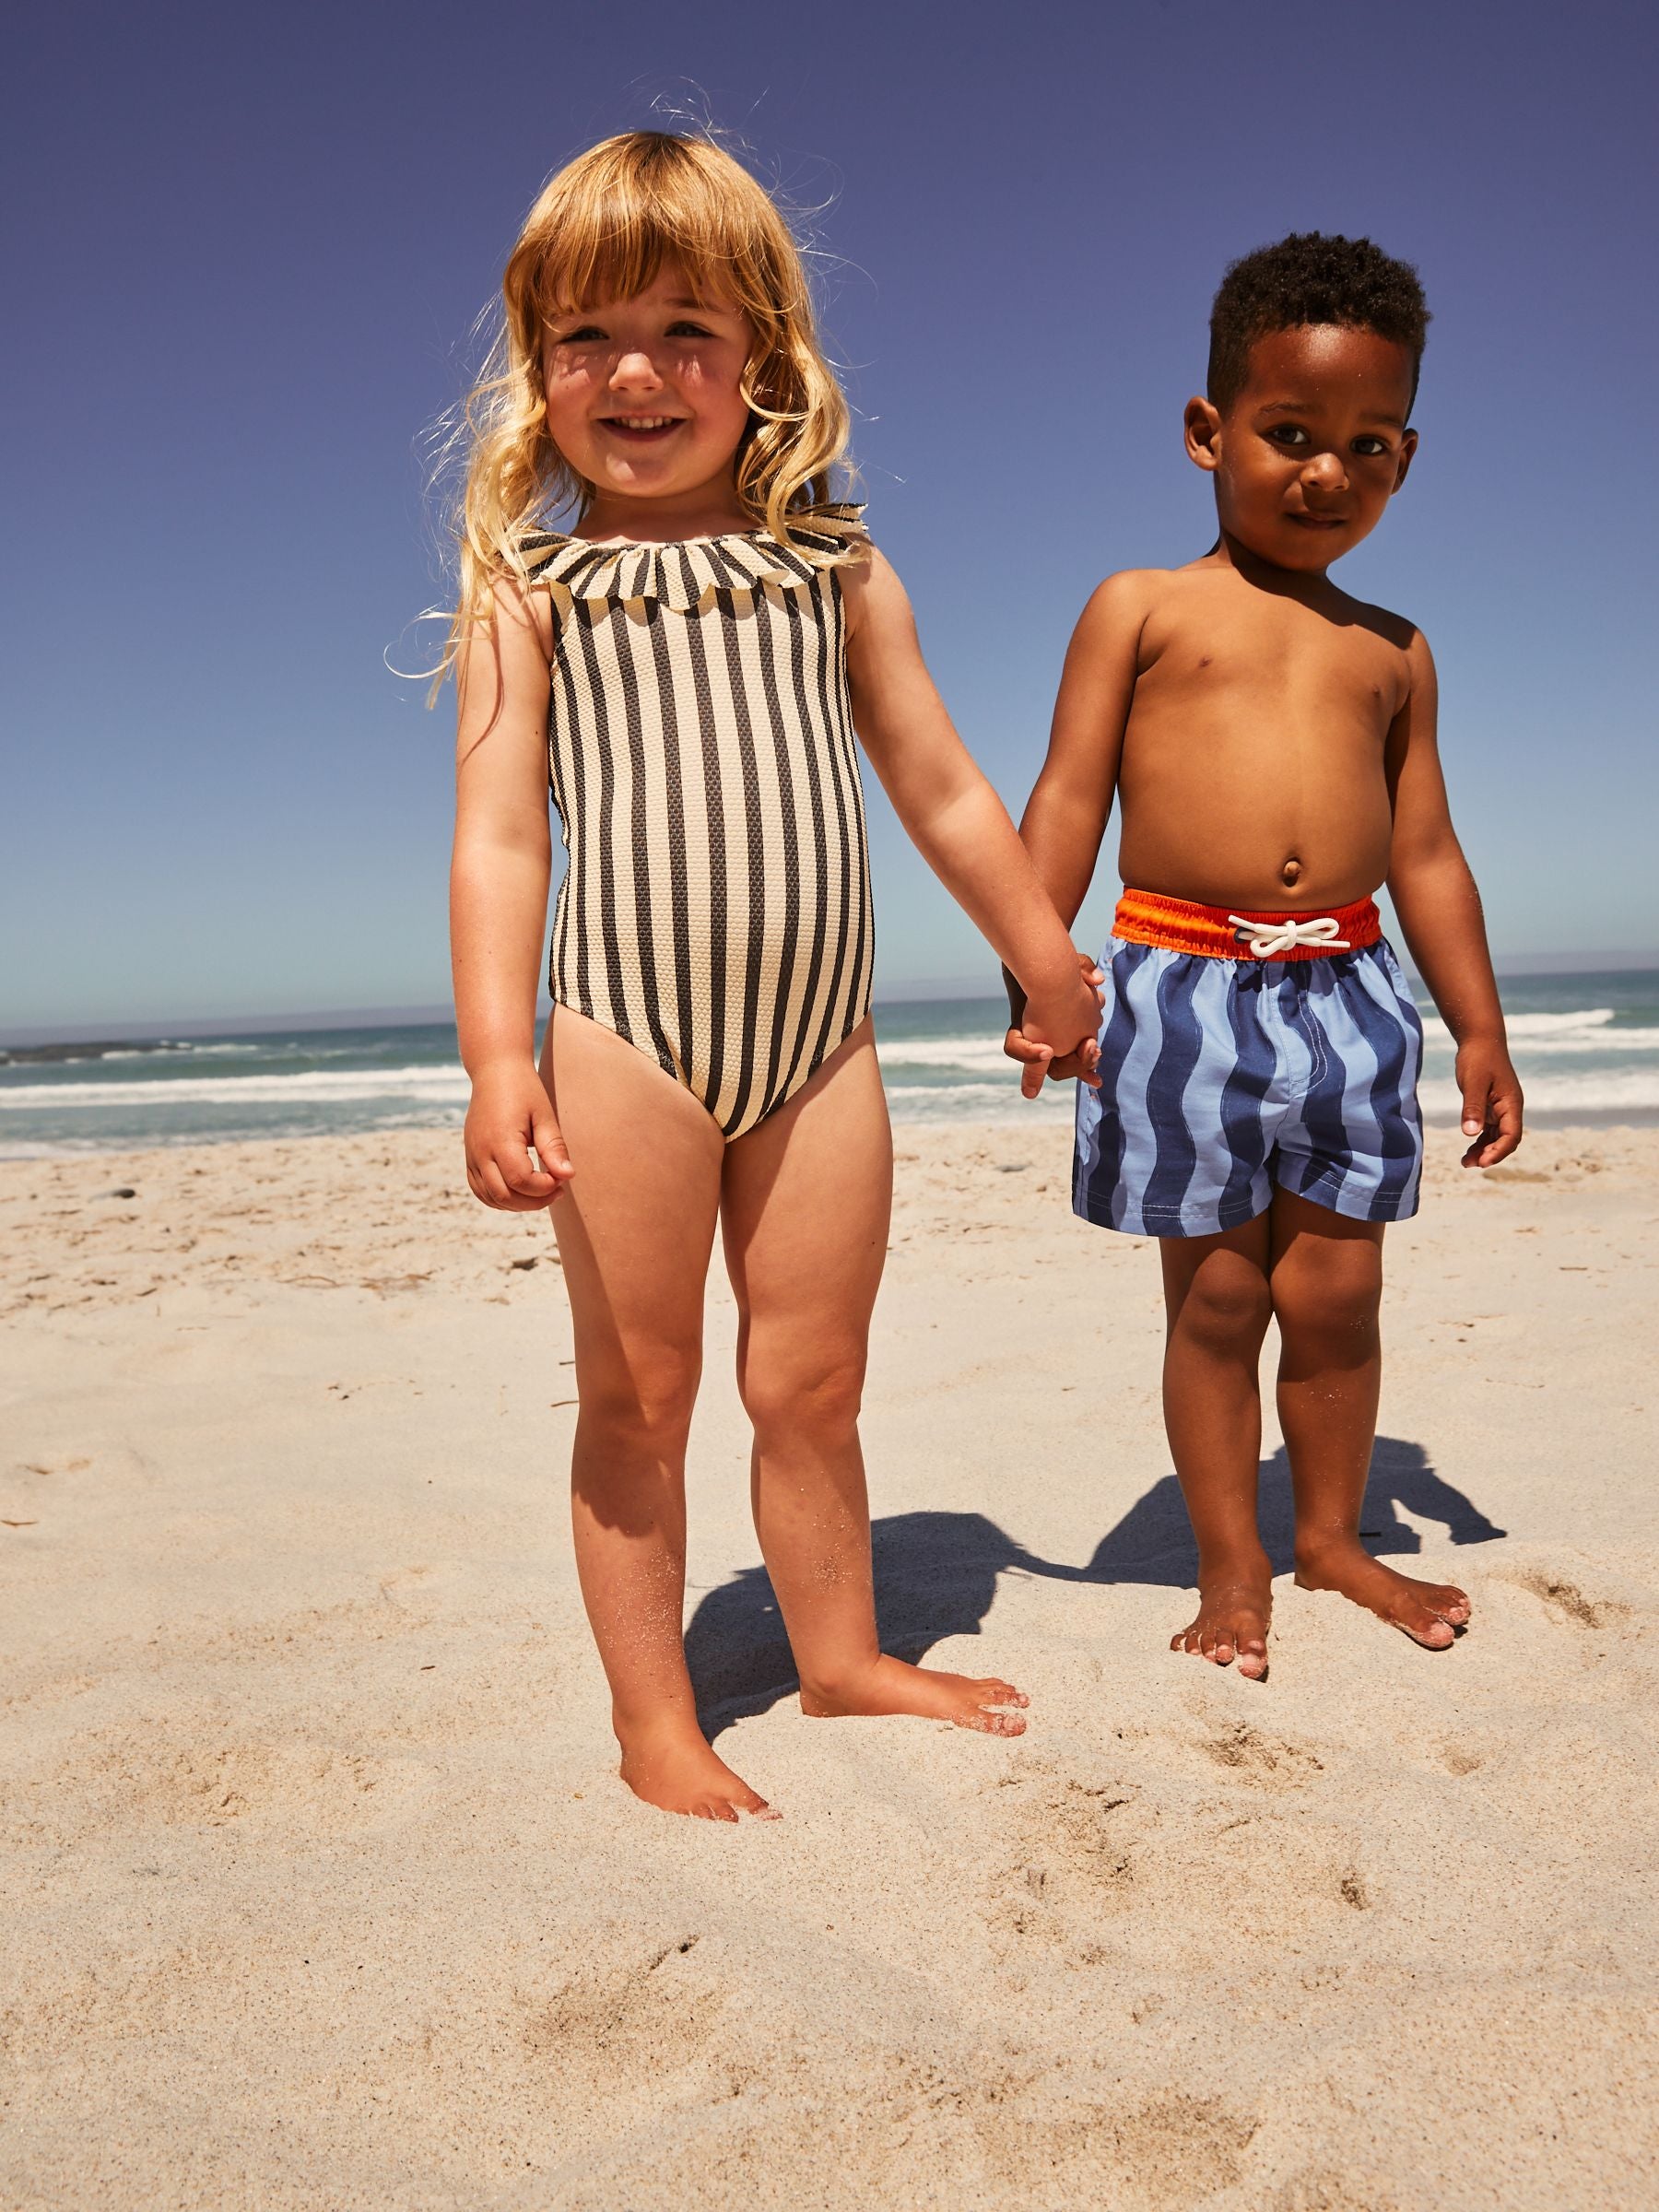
[[681, 572]]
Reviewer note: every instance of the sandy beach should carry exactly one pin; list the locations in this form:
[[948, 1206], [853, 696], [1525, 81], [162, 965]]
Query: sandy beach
[[322, 1891]]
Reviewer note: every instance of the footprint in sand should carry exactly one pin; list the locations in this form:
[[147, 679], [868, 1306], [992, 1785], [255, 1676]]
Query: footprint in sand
[[1317, 2189], [1077, 1852], [1252, 1757], [615, 2018], [1567, 1603], [1167, 2155]]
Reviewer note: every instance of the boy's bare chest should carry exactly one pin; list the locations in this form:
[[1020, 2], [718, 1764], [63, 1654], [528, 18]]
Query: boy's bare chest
[[1279, 668]]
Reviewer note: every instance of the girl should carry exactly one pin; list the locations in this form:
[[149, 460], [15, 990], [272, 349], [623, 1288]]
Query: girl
[[688, 668]]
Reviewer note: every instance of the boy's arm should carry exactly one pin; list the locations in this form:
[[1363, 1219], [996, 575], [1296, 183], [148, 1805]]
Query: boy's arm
[[1439, 907], [1065, 819], [953, 817], [499, 877]]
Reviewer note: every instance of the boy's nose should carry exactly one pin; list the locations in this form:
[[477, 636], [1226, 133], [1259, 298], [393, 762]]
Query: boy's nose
[[1327, 472]]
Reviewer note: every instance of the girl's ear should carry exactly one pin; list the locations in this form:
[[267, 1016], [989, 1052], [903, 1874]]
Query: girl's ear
[[1201, 425]]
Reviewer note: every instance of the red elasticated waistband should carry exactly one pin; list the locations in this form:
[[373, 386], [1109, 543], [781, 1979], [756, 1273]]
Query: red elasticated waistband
[[1178, 925]]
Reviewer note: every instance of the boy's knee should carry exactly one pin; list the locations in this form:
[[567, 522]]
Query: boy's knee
[[1338, 1295], [1226, 1304]]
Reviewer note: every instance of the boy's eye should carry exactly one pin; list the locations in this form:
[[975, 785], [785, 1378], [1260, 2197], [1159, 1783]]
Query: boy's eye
[[1287, 433], [1371, 447]]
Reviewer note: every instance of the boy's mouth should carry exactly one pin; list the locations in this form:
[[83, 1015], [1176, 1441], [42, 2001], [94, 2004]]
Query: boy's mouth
[[1319, 522], [641, 429]]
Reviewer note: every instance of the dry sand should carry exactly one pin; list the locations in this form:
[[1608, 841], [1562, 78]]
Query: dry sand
[[320, 1890]]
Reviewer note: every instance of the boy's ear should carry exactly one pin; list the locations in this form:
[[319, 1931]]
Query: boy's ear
[[1408, 445], [1202, 426]]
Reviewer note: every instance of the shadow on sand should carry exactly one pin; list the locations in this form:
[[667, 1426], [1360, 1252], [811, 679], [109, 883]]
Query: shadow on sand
[[936, 1572]]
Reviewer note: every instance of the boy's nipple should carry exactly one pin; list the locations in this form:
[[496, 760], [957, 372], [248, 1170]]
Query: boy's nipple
[[1290, 874]]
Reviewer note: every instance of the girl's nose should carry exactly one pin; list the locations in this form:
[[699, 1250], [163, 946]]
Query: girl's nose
[[634, 371]]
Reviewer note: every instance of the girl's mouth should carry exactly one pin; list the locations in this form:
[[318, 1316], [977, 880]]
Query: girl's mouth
[[641, 428]]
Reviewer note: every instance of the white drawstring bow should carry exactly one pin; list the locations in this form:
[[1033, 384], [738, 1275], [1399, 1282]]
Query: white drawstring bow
[[1263, 939]]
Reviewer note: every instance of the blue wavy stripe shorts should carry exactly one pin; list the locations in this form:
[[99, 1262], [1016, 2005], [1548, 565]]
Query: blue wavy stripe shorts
[[1220, 1079]]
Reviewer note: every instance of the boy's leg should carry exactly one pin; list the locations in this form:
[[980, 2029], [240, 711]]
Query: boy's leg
[[805, 1212], [1217, 1306], [635, 1227], [1326, 1276]]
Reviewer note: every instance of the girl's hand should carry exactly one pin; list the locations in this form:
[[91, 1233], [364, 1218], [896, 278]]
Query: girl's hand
[[1492, 1103], [510, 1112], [1058, 1016]]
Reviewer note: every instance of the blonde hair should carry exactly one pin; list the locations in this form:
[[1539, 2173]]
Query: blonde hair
[[602, 229]]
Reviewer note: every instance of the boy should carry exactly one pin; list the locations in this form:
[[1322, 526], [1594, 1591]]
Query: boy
[[1272, 742]]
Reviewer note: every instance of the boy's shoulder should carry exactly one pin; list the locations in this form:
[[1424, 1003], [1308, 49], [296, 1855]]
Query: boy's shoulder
[[1382, 622]]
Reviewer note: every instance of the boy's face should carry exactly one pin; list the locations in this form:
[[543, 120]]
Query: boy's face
[[1314, 448]]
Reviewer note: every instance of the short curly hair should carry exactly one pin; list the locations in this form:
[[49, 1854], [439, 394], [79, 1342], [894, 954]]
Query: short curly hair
[[1312, 277]]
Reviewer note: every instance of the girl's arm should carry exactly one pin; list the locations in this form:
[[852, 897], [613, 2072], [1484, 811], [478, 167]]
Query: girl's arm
[[953, 817], [1434, 895], [499, 877]]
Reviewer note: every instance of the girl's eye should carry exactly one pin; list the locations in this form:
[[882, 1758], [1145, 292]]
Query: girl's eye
[[690, 330], [584, 334], [1287, 433]]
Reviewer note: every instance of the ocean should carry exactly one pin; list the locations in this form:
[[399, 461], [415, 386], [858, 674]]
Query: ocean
[[1587, 1048]]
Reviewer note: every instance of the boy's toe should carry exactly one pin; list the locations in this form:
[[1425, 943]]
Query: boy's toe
[[1424, 1627]]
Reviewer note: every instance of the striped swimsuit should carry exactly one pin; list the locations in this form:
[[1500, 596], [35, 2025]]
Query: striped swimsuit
[[716, 909]]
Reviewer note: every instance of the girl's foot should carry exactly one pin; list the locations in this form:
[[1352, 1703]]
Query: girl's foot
[[682, 1774], [890, 1685], [1234, 1607], [1430, 1613]]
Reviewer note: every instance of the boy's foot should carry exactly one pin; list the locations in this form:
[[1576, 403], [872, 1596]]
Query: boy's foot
[[683, 1774], [1231, 1621], [1430, 1613], [892, 1686]]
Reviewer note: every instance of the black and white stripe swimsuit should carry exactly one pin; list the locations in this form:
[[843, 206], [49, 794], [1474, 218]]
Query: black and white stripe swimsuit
[[716, 910]]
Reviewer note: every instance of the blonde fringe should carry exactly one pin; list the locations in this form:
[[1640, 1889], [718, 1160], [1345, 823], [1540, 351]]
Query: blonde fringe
[[601, 230]]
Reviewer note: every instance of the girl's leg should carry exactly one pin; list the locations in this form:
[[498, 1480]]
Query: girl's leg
[[635, 1227], [804, 1211], [1327, 1285], [1217, 1307]]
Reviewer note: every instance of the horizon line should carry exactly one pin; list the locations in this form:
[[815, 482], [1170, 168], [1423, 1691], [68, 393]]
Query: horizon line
[[910, 991]]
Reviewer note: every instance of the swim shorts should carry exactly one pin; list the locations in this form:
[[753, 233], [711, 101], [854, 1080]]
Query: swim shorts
[[1244, 1052]]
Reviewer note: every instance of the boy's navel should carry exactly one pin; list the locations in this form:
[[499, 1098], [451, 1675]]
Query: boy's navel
[[1290, 874]]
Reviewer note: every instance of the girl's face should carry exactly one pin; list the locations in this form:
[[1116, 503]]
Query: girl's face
[[643, 396]]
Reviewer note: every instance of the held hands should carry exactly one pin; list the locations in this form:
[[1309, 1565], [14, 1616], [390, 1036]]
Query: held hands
[[1492, 1103], [510, 1112], [1072, 1010]]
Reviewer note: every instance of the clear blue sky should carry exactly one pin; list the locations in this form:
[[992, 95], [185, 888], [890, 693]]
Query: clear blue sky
[[252, 242]]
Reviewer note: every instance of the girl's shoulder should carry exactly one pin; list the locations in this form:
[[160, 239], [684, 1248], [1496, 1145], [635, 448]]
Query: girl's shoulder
[[679, 572]]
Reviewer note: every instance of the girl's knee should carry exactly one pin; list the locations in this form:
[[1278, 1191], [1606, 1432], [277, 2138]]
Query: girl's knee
[[646, 1400], [794, 1400]]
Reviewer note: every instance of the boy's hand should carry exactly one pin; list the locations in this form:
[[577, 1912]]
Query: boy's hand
[[510, 1112], [1058, 1016], [1492, 1103]]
